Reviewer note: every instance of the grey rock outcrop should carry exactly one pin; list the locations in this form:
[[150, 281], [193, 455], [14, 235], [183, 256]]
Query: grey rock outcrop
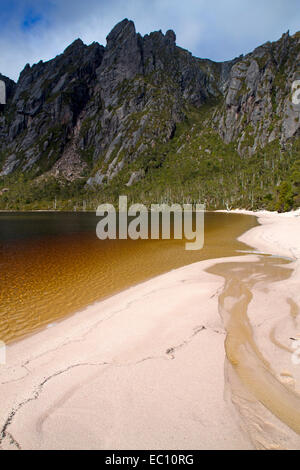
[[93, 110], [257, 107]]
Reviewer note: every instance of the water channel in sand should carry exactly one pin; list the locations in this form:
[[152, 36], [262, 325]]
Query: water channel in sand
[[252, 368]]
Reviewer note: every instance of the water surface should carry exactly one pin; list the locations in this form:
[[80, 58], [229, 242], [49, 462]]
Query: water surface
[[52, 264]]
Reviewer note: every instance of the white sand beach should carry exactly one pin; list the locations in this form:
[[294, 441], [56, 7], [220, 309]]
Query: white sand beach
[[147, 368]]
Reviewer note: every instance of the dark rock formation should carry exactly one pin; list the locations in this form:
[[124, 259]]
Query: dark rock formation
[[92, 110]]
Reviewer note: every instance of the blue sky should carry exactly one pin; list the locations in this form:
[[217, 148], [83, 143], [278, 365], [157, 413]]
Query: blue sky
[[218, 29]]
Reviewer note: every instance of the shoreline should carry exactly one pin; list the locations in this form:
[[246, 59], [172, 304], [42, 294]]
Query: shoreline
[[110, 377], [273, 315]]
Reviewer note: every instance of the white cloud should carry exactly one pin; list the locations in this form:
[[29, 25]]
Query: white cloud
[[218, 29]]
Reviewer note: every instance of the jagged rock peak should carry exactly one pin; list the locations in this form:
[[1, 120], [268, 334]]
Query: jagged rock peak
[[78, 43], [93, 111], [25, 70], [171, 36], [121, 31]]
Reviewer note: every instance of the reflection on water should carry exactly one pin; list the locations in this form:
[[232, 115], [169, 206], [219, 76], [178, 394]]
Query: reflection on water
[[52, 264]]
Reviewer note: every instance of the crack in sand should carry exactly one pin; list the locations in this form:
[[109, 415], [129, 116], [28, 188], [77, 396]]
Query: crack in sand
[[13, 441], [36, 394], [198, 330], [4, 434], [83, 337]]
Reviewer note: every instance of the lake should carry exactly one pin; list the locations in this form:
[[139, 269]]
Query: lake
[[52, 264]]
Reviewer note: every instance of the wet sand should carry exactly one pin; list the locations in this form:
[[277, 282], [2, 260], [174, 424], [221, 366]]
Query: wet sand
[[198, 358], [262, 371]]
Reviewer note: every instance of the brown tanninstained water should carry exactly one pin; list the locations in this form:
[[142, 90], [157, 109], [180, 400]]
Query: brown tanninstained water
[[52, 264]]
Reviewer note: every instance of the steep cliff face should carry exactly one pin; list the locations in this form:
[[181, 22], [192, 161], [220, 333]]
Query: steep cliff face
[[98, 114], [41, 114], [94, 103], [257, 107]]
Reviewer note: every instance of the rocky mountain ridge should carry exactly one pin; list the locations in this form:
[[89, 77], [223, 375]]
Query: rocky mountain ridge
[[98, 114]]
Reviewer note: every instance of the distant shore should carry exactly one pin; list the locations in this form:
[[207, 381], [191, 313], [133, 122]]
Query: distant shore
[[144, 369]]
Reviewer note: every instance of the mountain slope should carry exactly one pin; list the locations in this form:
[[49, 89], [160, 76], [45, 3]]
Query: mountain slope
[[144, 117]]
